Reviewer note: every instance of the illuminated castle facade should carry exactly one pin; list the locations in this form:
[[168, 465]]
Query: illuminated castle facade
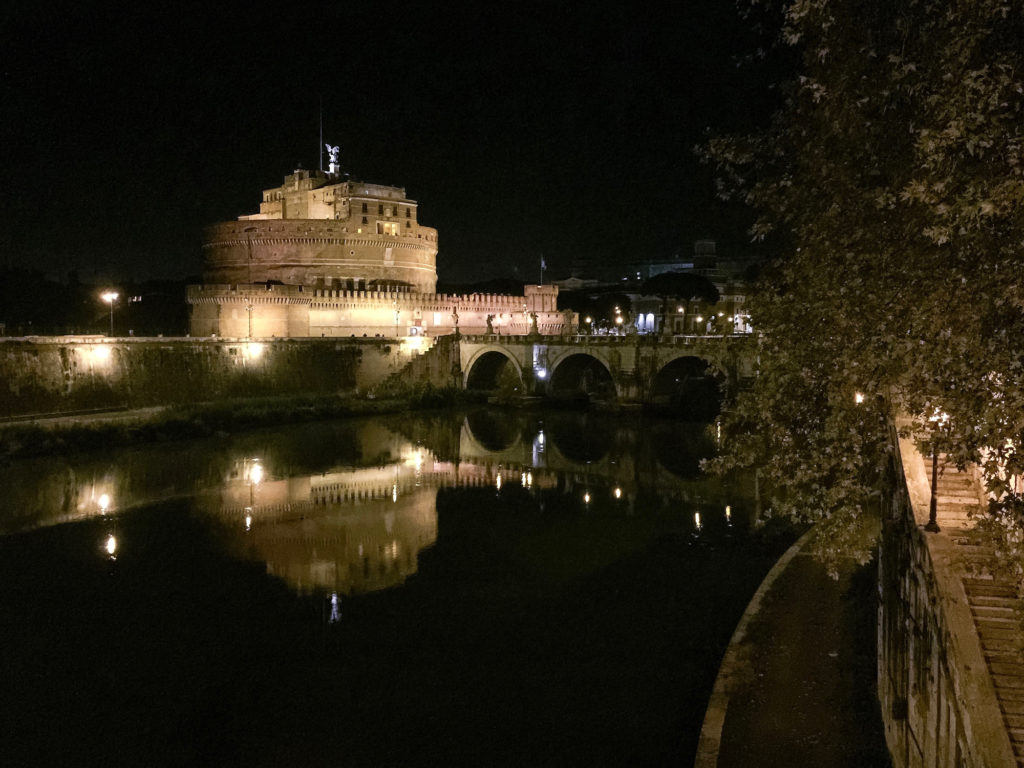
[[332, 257]]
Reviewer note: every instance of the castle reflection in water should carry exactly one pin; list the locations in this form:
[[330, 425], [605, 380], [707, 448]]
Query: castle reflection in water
[[359, 522]]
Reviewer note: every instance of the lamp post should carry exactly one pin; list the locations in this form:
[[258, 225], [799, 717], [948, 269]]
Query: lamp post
[[939, 419], [110, 297]]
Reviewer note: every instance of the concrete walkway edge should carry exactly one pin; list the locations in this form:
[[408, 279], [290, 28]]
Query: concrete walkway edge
[[728, 672]]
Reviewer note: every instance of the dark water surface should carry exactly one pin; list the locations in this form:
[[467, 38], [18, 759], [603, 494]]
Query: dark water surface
[[419, 590]]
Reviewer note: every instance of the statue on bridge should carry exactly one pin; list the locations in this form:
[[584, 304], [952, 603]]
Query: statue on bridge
[[490, 324], [534, 331]]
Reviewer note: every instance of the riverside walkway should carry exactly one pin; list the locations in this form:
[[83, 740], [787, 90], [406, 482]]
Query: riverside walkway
[[796, 684], [795, 687]]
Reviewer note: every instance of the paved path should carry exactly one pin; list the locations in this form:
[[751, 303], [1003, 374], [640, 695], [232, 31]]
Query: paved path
[[94, 416], [799, 688]]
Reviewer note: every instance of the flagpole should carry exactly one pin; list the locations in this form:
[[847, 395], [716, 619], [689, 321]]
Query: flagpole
[[542, 269], [320, 149]]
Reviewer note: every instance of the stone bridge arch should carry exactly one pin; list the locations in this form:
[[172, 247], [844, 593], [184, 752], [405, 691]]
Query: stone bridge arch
[[580, 373], [487, 366], [687, 383]]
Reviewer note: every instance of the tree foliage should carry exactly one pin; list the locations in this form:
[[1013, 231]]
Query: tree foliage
[[892, 179]]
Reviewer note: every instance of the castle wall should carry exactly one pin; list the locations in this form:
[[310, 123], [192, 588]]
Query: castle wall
[[49, 374], [319, 252], [295, 311]]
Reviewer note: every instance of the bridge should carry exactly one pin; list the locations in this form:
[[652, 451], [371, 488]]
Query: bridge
[[625, 369]]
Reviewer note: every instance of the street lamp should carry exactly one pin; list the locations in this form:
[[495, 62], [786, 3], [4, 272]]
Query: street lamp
[[939, 419], [110, 297]]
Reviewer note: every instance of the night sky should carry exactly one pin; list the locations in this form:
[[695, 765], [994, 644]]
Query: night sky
[[562, 129]]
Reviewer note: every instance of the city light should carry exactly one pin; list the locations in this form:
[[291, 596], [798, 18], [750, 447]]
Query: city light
[[618, 493], [858, 397], [111, 545], [253, 350], [110, 297]]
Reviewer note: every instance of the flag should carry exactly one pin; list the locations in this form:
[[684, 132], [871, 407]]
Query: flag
[[543, 264]]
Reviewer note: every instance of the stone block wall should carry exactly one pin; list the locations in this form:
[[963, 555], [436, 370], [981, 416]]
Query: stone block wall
[[938, 704], [50, 374]]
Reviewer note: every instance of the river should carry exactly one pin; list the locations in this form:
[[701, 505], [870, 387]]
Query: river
[[460, 588]]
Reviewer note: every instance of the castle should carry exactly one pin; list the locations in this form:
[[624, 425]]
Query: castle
[[326, 256]]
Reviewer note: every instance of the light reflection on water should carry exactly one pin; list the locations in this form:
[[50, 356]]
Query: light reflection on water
[[471, 577], [359, 522]]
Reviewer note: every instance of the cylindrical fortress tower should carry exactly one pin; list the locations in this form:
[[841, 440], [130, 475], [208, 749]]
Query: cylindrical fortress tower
[[317, 231]]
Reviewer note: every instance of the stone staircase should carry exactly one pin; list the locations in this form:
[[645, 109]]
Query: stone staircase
[[994, 601]]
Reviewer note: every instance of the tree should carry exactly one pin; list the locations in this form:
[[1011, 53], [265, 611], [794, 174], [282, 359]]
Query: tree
[[601, 308], [892, 179], [679, 286]]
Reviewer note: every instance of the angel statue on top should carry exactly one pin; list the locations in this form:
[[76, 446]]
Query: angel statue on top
[[333, 162]]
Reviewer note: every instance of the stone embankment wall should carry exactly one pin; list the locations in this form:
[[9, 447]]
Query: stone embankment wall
[[938, 701], [50, 374]]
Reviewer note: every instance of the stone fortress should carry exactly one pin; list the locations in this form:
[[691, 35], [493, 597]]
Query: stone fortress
[[330, 257]]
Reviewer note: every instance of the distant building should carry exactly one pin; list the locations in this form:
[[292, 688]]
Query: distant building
[[650, 314], [332, 257]]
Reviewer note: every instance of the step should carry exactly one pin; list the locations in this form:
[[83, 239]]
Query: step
[[1015, 721], [1001, 644], [989, 588], [989, 623], [1007, 668], [1015, 682], [994, 601], [995, 612]]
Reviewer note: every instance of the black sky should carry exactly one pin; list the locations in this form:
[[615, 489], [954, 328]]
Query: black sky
[[558, 128]]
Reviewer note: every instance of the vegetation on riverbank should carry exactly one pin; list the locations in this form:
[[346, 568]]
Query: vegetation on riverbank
[[207, 419], [888, 184]]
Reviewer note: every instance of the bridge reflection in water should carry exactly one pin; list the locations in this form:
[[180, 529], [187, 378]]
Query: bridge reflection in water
[[359, 525], [462, 580]]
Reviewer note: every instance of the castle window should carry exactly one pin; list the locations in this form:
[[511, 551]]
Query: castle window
[[408, 224], [380, 210], [364, 221], [408, 213], [364, 211], [387, 228]]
